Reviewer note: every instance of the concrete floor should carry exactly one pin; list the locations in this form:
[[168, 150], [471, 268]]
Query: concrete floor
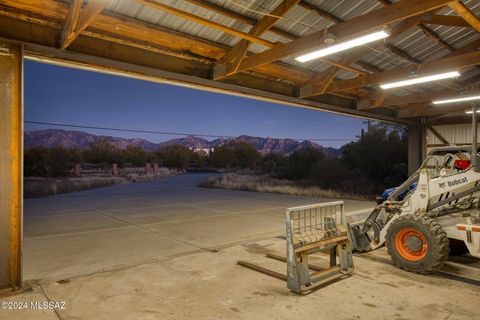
[[145, 251]]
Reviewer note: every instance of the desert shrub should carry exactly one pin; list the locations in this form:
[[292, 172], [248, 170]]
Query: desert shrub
[[299, 164], [272, 163], [235, 154], [175, 156], [380, 155], [104, 153], [50, 162], [134, 155]]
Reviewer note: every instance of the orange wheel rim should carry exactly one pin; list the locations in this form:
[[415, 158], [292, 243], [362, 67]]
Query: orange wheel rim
[[411, 244]]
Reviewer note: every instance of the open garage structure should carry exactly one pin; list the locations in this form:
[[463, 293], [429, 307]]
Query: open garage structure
[[248, 48]]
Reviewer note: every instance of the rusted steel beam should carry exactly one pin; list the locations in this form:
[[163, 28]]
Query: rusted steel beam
[[11, 155]]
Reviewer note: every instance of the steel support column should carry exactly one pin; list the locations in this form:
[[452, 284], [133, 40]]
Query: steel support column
[[11, 164], [416, 146]]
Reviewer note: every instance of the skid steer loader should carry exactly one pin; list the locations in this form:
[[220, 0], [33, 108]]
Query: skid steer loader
[[436, 209]]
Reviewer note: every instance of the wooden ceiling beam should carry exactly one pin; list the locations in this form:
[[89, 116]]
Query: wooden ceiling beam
[[310, 89], [424, 110], [435, 37], [368, 67], [71, 22], [320, 12], [445, 64], [466, 14], [239, 17], [401, 53], [77, 20], [443, 20], [127, 31], [368, 22], [469, 85], [232, 59], [206, 22]]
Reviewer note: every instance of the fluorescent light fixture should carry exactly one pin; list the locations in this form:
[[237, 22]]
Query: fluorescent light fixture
[[460, 99], [416, 80], [343, 46], [471, 111]]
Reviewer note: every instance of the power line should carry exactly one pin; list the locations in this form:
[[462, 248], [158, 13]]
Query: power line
[[163, 132]]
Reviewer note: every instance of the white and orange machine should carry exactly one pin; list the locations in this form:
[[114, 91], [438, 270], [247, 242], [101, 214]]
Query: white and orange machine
[[435, 210]]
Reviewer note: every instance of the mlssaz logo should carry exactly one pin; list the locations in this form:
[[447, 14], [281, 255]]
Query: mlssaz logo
[[452, 183]]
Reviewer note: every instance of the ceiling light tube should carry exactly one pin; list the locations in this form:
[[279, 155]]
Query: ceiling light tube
[[416, 80], [471, 111], [459, 99], [343, 46]]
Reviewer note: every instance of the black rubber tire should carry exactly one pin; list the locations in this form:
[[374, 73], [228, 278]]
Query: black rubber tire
[[438, 244]]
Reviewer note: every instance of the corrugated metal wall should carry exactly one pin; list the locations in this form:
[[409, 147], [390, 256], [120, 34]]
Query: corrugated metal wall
[[454, 134]]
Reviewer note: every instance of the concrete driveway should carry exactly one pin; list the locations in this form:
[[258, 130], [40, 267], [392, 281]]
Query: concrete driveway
[[101, 229], [168, 250]]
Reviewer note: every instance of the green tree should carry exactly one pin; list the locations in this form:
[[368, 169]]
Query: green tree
[[50, 162], [235, 154], [104, 153], [380, 155], [300, 163], [175, 156], [135, 155]]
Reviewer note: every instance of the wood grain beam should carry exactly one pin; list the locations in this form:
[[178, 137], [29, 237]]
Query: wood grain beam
[[368, 22], [81, 21], [368, 67], [71, 22], [425, 110], [443, 20], [401, 53], [232, 59], [430, 67], [239, 17], [319, 83], [320, 12], [124, 30], [466, 14], [435, 37], [354, 55], [206, 22]]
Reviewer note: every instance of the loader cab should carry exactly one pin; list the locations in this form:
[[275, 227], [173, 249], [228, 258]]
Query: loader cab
[[445, 161], [442, 161]]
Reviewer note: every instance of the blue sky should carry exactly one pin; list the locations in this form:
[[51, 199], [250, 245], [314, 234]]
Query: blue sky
[[63, 95]]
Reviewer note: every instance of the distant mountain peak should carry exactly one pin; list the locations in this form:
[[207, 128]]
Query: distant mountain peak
[[78, 139]]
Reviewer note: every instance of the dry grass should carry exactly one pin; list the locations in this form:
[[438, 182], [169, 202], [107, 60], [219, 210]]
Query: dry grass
[[262, 183], [34, 187]]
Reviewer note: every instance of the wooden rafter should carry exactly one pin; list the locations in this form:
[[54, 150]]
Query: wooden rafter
[[318, 83], [234, 56], [469, 86], [206, 22], [368, 22], [71, 23], [310, 89], [424, 110], [401, 53], [367, 66], [442, 20], [234, 15], [321, 12], [131, 32], [77, 21], [466, 14], [445, 64], [435, 37]]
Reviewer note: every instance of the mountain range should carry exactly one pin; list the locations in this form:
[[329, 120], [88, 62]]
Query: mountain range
[[77, 139]]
